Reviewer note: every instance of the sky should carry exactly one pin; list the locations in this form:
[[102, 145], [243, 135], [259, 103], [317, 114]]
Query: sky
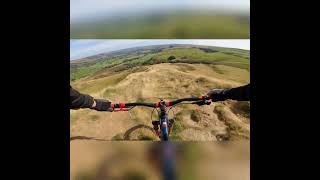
[[84, 48], [80, 9]]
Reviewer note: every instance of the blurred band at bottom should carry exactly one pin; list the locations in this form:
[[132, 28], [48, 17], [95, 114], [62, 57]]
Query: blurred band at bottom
[[96, 160]]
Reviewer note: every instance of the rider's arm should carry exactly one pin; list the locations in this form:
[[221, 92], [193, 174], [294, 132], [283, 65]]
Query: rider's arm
[[78, 100], [239, 93]]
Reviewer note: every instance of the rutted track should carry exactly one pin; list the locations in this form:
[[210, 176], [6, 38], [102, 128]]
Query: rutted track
[[160, 80]]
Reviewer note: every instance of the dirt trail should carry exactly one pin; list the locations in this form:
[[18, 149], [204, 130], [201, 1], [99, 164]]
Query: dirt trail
[[161, 80]]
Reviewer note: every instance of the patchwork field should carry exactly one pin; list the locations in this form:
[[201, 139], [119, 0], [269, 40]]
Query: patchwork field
[[169, 72]]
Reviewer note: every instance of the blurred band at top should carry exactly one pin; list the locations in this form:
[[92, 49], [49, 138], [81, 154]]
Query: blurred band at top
[[165, 19]]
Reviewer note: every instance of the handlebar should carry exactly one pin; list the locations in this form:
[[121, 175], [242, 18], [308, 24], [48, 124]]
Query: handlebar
[[199, 100], [126, 105]]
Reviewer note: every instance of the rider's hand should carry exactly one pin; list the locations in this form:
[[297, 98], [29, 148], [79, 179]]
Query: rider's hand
[[101, 105], [217, 94]]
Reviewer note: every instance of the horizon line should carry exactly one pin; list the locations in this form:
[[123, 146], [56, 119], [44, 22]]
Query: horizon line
[[112, 51]]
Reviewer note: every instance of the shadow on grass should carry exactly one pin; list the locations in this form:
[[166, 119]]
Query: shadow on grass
[[127, 134], [87, 138]]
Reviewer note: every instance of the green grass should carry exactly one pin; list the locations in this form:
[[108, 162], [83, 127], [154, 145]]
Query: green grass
[[83, 72], [178, 126], [108, 72], [169, 25], [160, 54], [217, 69]]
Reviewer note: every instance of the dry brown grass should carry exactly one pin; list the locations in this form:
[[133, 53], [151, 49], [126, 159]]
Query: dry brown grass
[[168, 81]]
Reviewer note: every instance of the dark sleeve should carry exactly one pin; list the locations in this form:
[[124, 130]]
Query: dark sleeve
[[78, 100], [241, 93]]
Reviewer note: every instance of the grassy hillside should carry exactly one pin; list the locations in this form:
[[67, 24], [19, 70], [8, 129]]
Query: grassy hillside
[[147, 74], [129, 58], [169, 25]]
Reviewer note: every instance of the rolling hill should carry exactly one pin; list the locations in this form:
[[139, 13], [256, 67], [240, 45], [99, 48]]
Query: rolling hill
[[163, 71], [165, 25]]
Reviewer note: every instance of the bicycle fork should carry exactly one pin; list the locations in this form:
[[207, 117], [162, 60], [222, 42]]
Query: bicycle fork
[[156, 127]]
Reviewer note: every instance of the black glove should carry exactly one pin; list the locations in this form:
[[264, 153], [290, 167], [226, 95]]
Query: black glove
[[102, 105], [217, 94], [241, 93]]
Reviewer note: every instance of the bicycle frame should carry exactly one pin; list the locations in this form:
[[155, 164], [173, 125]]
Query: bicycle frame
[[163, 120]]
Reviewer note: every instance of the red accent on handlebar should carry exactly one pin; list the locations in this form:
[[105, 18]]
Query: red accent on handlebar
[[167, 103], [122, 105]]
